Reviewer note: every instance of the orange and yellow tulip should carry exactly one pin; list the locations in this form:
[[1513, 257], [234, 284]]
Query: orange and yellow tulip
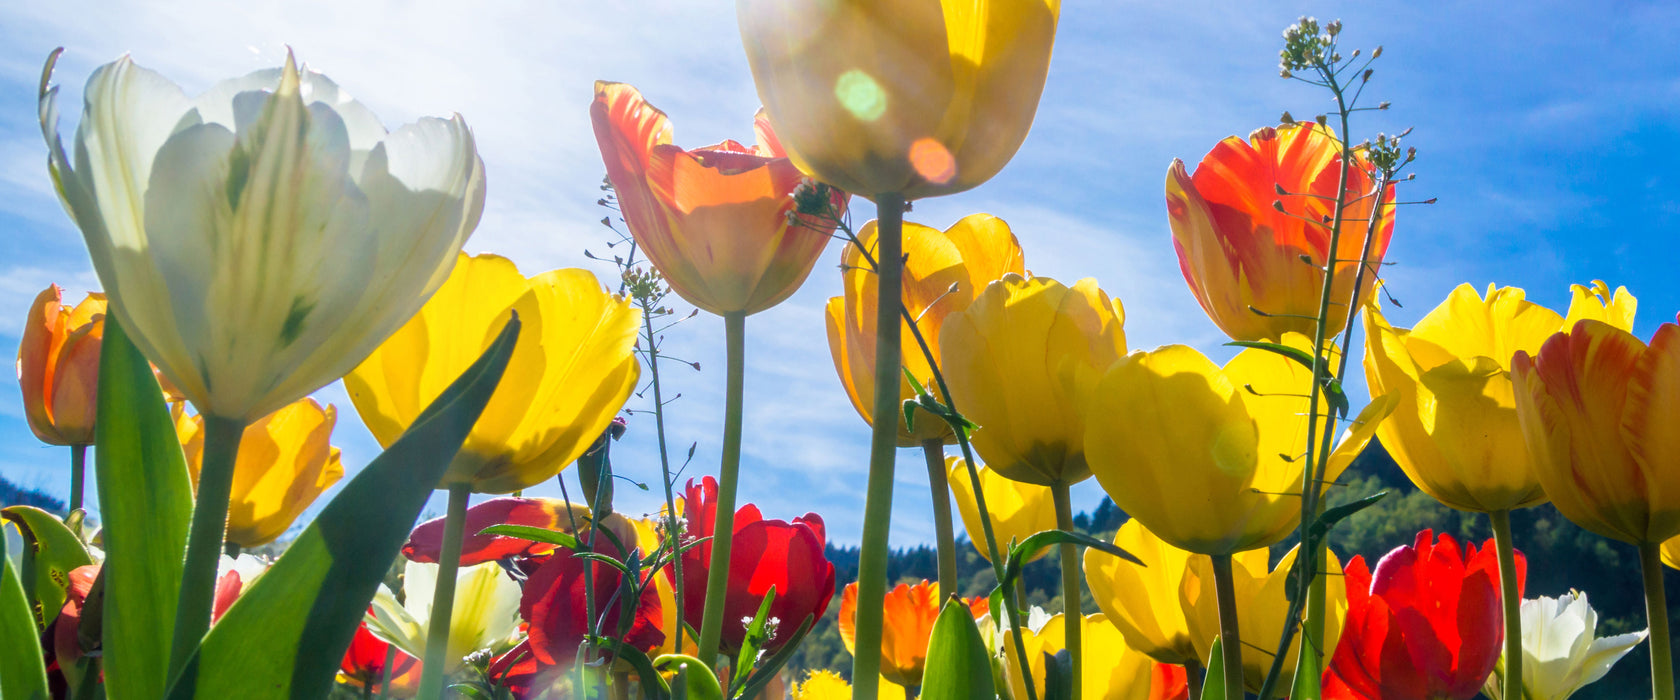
[[917, 99], [719, 222], [1454, 431], [1241, 255], [1018, 510], [1022, 362], [571, 370], [58, 366], [285, 461], [943, 272], [908, 617], [1598, 409]]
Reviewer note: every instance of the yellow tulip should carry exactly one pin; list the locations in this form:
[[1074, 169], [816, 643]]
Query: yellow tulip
[[1112, 670], [1142, 602], [943, 272], [284, 464], [1455, 429], [828, 685], [1022, 362], [917, 98], [259, 240], [1019, 510], [1209, 458], [1598, 409], [571, 370], [1262, 606]]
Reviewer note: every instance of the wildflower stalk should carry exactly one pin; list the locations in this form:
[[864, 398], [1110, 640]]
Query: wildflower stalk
[[204, 539], [723, 529], [443, 594], [672, 527]]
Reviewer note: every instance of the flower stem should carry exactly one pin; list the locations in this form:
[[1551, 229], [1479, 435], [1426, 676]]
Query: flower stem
[[385, 671], [204, 539], [1512, 600], [1193, 674], [78, 474], [1225, 593], [723, 527], [934, 450], [877, 508], [1656, 615], [443, 595], [1073, 617]]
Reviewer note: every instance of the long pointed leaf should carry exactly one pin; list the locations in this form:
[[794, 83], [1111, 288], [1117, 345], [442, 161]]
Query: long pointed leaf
[[145, 503], [1213, 684], [50, 552], [22, 673], [286, 635], [959, 666]]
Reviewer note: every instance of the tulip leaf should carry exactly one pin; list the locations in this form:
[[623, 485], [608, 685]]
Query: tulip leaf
[[1333, 391], [1019, 554], [768, 670], [959, 665], [534, 534], [1308, 677], [755, 637], [1328, 519], [23, 674], [145, 501], [1213, 684], [50, 551], [285, 635], [694, 680], [1058, 675], [638, 661]]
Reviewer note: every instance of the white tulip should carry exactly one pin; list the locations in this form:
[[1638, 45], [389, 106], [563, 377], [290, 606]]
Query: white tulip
[[1560, 653], [259, 241], [485, 615]]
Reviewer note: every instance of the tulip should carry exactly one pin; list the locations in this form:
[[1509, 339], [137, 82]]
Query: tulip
[[1262, 597], [943, 273], [485, 609], [1597, 408], [920, 99], [556, 599], [574, 361], [364, 666], [58, 372], [1116, 672], [425, 543], [284, 464], [776, 553], [720, 222], [1242, 256], [828, 685], [1142, 602], [1423, 626], [1018, 510], [1561, 653], [1201, 455], [910, 614], [63, 640]]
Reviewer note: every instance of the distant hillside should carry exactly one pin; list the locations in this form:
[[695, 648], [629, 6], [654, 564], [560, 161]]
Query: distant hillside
[[13, 495]]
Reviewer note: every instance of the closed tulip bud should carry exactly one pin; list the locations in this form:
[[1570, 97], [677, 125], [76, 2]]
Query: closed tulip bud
[[571, 370], [284, 464], [1211, 458], [1598, 408], [1023, 361], [258, 241], [917, 99], [1454, 431], [1240, 255], [943, 272], [58, 366], [721, 223], [1018, 509]]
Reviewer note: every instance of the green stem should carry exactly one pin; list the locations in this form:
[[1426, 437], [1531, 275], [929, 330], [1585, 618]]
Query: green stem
[[385, 672], [1073, 616], [934, 451], [877, 508], [204, 538], [443, 595], [1225, 593], [671, 525], [367, 691], [1656, 615], [1194, 673], [723, 527], [1512, 600], [78, 474]]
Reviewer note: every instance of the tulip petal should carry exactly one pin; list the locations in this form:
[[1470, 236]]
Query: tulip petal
[[426, 541]]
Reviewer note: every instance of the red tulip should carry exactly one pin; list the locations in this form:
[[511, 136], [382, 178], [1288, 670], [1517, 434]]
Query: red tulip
[[1426, 626], [426, 541], [554, 605], [765, 553], [364, 665], [520, 673], [1170, 682]]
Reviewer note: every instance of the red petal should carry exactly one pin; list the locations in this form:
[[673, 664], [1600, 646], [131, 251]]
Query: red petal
[[426, 541]]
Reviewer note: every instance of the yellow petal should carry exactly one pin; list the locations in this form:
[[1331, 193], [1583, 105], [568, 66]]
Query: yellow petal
[[1597, 303], [1018, 510], [1142, 602]]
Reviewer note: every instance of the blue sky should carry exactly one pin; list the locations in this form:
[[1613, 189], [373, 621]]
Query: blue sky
[[1545, 129]]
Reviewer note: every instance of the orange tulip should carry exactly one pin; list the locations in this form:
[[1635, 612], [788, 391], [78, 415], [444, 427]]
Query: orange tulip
[[908, 615], [58, 366], [719, 222], [1237, 251], [284, 464], [943, 272]]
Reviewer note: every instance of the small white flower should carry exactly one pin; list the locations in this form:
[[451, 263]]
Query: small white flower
[[1560, 653]]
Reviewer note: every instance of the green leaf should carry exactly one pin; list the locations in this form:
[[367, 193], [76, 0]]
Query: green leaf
[[695, 681], [145, 503], [1213, 684], [534, 534], [1058, 675], [768, 669], [50, 551], [1308, 677], [653, 687], [959, 665], [287, 633], [23, 673], [1019, 554], [756, 636], [1328, 519]]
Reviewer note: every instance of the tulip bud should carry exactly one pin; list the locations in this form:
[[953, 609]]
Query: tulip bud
[[58, 366]]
